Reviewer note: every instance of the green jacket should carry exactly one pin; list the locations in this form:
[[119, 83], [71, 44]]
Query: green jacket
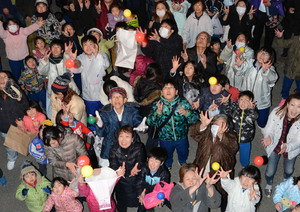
[[105, 46]]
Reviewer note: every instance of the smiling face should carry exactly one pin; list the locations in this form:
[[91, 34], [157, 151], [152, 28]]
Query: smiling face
[[88, 47], [70, 30], [125, 139], [293, 108], [31, 112], [96, 35], [189, 179], [56, 50], [31, 63], [117, 101], [115, 11], [3, 80], [41, 7], [246, 182], [262, 57], [154, 164], [30, 177], [58, 188], [198, 8], [244, 102], [189, 71], [161, 6]]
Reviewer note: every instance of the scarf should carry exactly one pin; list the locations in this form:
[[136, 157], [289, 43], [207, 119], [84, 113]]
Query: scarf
[[55, 60], [44, 15], [15, 33]]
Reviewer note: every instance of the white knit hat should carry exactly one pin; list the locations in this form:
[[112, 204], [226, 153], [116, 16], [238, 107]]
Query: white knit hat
[[41, 1], [94, 29]]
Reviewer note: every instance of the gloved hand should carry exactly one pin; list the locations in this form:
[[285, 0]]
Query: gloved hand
[[99, 120], [47, 190], [142, 127], [24, 191]]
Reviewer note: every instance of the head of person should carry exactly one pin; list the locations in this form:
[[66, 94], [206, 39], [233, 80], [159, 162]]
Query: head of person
[[59, 117], [46, 123], [221, 121], [4, 77], [30, 62], [215, 44], [245, 98], [115, 9], [291, 108], [59, 16], [167, 28], [169, 90], [39, 43], [97, 33], [241, 40], [203, 40], [89, 43], [120, 25], [187, 175], [58, 185], [219, 86], [153, 72], [32, 109], [30, 174], [41, 6], [69, 29], [156, 158], [199, 7], [242, 7], [296, 181], [108, 85], [125, 136], [117, 97], [57, 48], [161, 11], [61, 89], [52, 136], [249, 176], [265, 55], [190, 71], [12, 25]]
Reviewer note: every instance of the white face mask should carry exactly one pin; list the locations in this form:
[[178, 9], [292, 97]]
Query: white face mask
[[241, 10], [214, 130], [164, 32], [13, 28], [239, 44], [160, 13]]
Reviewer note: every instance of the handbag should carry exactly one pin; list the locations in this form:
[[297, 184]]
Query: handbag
[[156, 129]]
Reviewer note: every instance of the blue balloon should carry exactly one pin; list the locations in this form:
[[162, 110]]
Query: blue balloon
[[160, 195]]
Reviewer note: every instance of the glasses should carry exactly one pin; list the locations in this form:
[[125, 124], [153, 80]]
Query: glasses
[[168, 88]]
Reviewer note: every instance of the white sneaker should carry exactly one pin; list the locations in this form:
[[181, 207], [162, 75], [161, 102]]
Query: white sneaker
[[10, 165]]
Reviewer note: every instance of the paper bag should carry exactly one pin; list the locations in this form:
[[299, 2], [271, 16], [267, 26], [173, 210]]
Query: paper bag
[[18, 139]]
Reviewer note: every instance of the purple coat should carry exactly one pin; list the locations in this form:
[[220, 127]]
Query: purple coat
[[275, 3], [112, 21]]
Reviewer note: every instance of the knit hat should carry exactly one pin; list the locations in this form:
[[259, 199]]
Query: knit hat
[[118, 90], [61, 83], [27, 167], [41, 1], [46, 123], [94, 29]]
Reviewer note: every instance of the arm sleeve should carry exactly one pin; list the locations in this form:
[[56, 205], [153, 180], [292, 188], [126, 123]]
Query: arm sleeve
[[180, 199], [84, 189], [19, 194], [49, 204], [281, 189], [43, 67], [53, 159], [211, 202], [270, 76], [3, 33], [30, 29], [227, 184]]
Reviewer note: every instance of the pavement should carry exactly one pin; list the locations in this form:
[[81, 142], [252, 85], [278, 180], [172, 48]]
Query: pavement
[[9, 203]]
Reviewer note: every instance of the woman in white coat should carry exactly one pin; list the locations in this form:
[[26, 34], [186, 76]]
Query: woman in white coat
[[282, 137]]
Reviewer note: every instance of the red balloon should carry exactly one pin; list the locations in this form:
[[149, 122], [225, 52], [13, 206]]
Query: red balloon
[[139, 37], [83, 160], [258, 160], [236, 51], [70, 63]]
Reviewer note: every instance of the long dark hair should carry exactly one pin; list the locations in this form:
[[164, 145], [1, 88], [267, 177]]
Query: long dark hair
[[55, 133], [153, 72], [197, 79]]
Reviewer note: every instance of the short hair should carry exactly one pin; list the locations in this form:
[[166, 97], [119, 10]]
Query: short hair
[[16, 21], [270, 51], [153, 72], [208, 36], [126, 129], [60, 180], [158, 153], [170, 81], [199, 1], [30, 57], [222, 79], [88, 38], [215, 40], [54, 133], [58, 43], [38, 38], [172, 24], [35, 105], [186, 168], [251, 172], [296, 180], [108, 85], [121, 24], [66, 24], [247, 93], [59, 16], [242, 33], [114, 5]]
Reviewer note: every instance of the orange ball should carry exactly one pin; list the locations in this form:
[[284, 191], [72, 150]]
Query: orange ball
[[70, 63], [139, 37], [258, 160], [83, 160]]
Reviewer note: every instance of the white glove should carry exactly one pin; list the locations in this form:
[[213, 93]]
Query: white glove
[[99, 122], [142, 127]]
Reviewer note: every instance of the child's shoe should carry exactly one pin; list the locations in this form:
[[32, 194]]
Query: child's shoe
[[281, 102], [275, 23], [3, 181], [269, 23]]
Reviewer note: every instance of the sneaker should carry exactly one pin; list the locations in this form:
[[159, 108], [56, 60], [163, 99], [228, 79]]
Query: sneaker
[[3, 181], [268, 192], [10, 165], [281, 102], [275, 23]]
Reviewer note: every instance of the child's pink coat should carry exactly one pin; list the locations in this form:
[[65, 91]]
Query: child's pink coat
[[28, 122]]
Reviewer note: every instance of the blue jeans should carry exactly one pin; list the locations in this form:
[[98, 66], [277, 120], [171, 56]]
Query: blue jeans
[[263, 117], [182, 149], [40, 96], [11, 154], [288, 166], [245, 153], [16, 68], [286, 86]]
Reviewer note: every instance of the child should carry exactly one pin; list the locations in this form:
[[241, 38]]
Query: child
[[114, 116], [172, 115], [215, 45], [236, 61], [243, 114], [41, 48], [114, 16], [36, 148], [288, 189], [32, 82], [259, 78], [16, 48], [129, 154], [69, 35], [243, 191], [33, 189], [151, 174], [33, 120], [62, 197], [233, 91]]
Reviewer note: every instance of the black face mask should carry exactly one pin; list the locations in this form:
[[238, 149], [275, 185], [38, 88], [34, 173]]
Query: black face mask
[[44, 15]]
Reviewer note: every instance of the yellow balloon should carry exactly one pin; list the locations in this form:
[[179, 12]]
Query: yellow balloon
[[87, 171], [215, 166], [127, 13], [213, 81], [242, 49]]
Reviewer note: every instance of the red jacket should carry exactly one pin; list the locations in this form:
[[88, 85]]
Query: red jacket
[[141, 62]]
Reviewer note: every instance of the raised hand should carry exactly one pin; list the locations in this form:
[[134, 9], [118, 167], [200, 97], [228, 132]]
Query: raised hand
[[19, 123], [205, 121], [196, 104], [278, 33], [47, 55], [209, 13], [141, 30], [251, 11], [72, 166], [199, 178], [87, 4], [121, 170], [155, 36], [134, 171], [176, 64], [266, 66], [98, 119], [184, 55], [211, 180], [253, 193], [226, 10], [72, 7], [238, 61], [213, 106], [183, 111], [222, 129], [229, 44], [252, 104], [41, 22], [142, 126], [224, 99], [222, 173], [159, 105], [266, 141]]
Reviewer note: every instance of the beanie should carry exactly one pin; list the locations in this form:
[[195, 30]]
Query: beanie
[[94, 29], [41, 1], [118, 90], [61, 83]]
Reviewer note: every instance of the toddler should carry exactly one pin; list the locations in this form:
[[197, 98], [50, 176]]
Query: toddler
[[41, 48], [114, 16]]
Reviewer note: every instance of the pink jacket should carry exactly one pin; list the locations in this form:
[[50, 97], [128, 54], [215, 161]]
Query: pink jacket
[[28, 122], [86, 191], [16, 45], [141, 62], [65, 202]]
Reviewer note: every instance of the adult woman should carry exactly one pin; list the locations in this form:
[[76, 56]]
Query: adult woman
[[190, 194], [282, 137], [63, 95], [13, 104], [62, 148]]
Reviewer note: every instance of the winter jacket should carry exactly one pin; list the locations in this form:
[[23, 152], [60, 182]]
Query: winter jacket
[[28, 122], [74, 41], [243, 121], [69, 149], [31, 79], [77, 108], [78, 127], [125, 189], [36, 197], [182, 201], [65, 202], [234, 73], [177, 126], [105, 46], [141, 62], [237, 198], [260, 83], [287, 189], [274, 130], [36, 150], [111, 124], [121, 83], [16, 45], [146, 180], [38, 54], [276, 3], [112, 21], [163, 52], [193, 26]]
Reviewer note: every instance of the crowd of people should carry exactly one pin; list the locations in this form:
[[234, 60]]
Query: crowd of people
[[110, 70]]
